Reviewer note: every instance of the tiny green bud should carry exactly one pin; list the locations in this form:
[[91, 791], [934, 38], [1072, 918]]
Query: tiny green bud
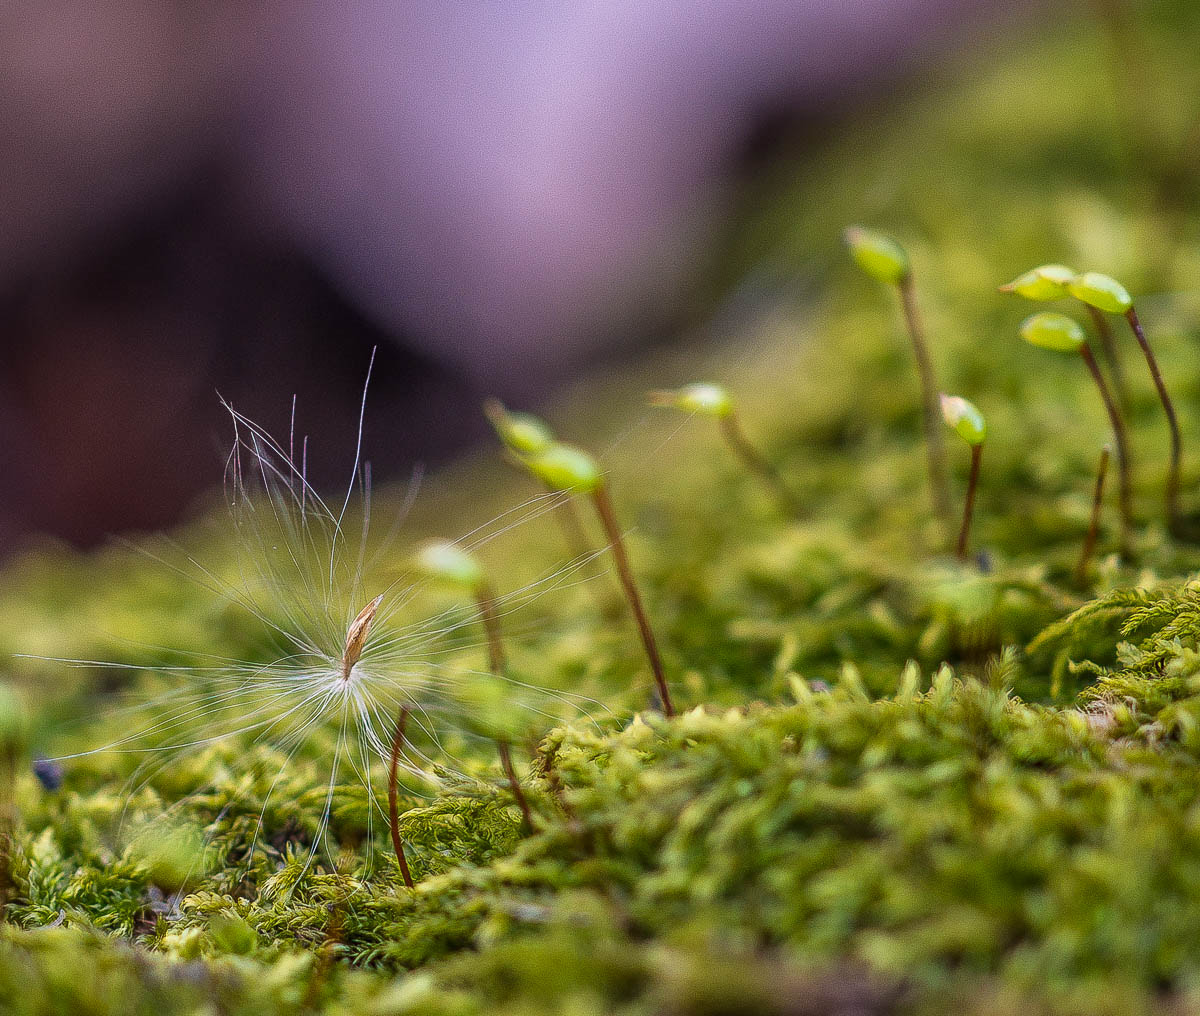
[[565, 467], [706, 399], [522, 433], [964, 419], [1102, 292], [448, 562], [1046, 282], [1053, 331], [878, 255]]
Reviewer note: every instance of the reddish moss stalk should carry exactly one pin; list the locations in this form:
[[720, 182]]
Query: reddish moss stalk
[[1093, 532], [969, 508], [1108, 345], [497, 661], [581, 549], [485, 599], [506, 763], [758, 463], [935, 447], [549, 766], [323, 965], [1174, 516], [393, 815], [616, 542], [1124, 492]]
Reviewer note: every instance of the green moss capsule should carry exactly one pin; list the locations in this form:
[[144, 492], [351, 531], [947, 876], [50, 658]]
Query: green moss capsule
[[964, 419], [1053, 331], [522, 433], [567, 468], [1102, 292], [878, 255], [1065, 335], [448, 562], [704, 399], [1046, 282]]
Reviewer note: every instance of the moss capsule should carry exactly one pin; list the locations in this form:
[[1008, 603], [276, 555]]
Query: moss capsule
[[448, 562], [1058, 332], [964, 419], [878, 255], [968, 423], [702, 398], [567, 468], [521, 433], [1046, 282], [1102, 292]]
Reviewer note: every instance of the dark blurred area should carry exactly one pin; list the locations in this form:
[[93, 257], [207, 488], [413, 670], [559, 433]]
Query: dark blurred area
[[248, 197]]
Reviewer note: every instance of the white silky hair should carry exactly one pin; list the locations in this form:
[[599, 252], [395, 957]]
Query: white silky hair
[[304, 567]]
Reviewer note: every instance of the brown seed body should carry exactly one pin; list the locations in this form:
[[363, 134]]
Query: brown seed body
[[356, 636]]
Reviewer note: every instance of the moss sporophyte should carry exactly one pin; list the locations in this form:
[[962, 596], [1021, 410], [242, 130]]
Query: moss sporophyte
[[1057, 332], [570, 470], [524, 435], [968, 423], [1102, 294], [715, 401], [1053, 282], [884, 260], [450, 563], [1105, 295]]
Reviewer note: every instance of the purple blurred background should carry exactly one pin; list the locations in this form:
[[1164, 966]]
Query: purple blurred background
[[247, 196]]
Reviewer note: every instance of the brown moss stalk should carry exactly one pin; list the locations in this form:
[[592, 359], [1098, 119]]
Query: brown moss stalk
[[497, 661], [510, 772], [964, 531], [1174, 515], [935, 447], [393, 814], [1093, 531], [608, 520], [1121, 439], [485, 600], [1108, 346], [759, 464]]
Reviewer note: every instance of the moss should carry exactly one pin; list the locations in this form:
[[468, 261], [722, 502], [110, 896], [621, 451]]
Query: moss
[[897, 785]]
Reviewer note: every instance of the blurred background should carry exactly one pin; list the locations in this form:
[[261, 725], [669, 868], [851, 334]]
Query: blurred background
[[246, 196]]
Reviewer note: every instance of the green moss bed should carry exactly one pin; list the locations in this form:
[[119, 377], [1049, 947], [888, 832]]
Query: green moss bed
[[896, 784]]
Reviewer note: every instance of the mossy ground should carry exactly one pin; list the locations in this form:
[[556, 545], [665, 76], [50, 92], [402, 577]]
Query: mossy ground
[[900, 784]]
